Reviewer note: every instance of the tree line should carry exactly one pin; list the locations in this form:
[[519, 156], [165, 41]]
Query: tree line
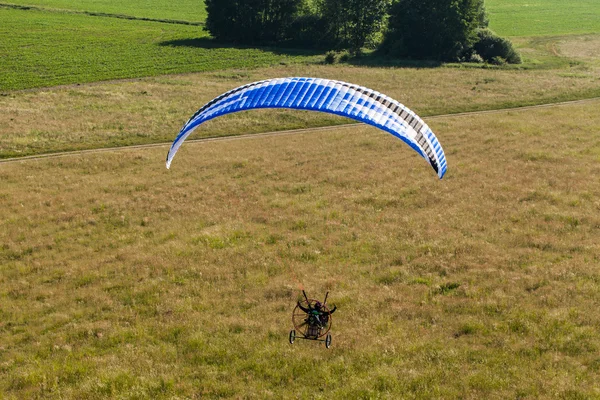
[[442, 30]]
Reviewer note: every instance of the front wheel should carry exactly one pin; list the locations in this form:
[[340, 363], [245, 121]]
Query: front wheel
[[328, 340], [292, 336]]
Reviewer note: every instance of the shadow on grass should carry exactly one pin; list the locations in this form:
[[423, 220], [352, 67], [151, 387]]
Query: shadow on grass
[[379, 61], [373, 59], [209, 43]]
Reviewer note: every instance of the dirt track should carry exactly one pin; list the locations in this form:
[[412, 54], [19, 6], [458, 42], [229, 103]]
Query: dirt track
[[281, 133]]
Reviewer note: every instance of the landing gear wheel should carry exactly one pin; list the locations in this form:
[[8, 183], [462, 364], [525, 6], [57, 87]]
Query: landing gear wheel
[[328, 340], [292, 336]]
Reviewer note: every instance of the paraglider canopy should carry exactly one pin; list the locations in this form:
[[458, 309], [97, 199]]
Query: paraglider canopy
[[324, 95]]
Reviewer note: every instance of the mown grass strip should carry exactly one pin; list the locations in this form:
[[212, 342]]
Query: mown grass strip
[[182, 10], [101, 14]]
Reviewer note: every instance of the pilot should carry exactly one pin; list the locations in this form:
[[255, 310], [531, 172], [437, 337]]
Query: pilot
[[318, 313]]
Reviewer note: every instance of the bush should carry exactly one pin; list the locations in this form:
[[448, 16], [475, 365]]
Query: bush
[[476, 58], [330, 57], [497, 60], [492, 48], [434, 29]]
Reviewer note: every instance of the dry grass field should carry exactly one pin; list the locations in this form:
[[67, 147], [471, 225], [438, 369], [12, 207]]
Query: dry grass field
[[121, 279]]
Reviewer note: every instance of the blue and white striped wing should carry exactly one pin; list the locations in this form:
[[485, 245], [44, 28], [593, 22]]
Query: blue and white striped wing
[[324, 95]]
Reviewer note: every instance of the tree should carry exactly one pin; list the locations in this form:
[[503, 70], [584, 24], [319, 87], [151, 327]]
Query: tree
[[444, 30], [494, 49], [365, 18], [352, 23], [250, 21]]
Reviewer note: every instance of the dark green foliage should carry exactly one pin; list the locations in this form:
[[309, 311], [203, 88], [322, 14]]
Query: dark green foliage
[[308, 30], [330, 57], [344, 57], [442, 30], [482, 17], [352, 23], [340, 24], [492, 48], [331, 13], [250, 21]]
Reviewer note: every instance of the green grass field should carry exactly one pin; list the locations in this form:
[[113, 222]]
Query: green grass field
[[543, 17], [47, 49], [121, 279], [44, 49], [508, 17], [186, 10]]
